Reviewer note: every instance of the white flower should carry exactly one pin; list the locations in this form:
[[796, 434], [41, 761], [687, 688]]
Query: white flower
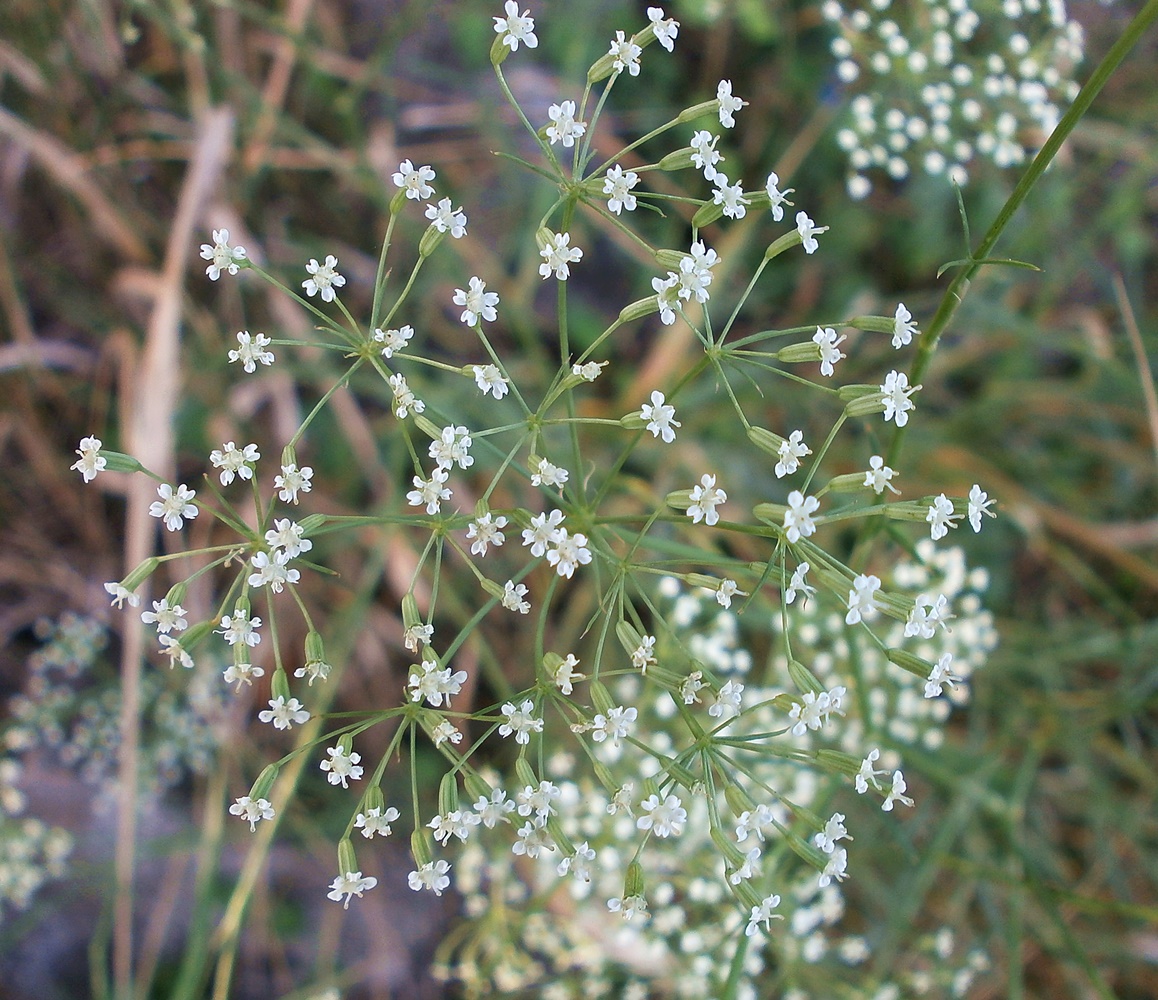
[[614, 725], [618, 184], [867, 775], [516, 27], [393, 340], [728, 700], [903, 327], [826, 339], [417, 635], [570, 551], [705, 157], [878, 476], [837, 867], [494, 810], [941, 517], [729, 105], [341, 766], [445, 731], [664, 818], [240, 628], [979, 503], [896, 390], [628, 906], [776, 197], [485, 531], [749, 869], [896, 793], [284, 714], [926, 615], [432, 875], [447, 219], [564, 128], [667, 294], [533, 839], [621, 800], [790, 453], [942, 673], [544, 530], [862, 605], [376, 822], [809, 713], [643, 656], [695, 273], [808, 231], [221, 255], [490, 380], [252, 351], [691, 686], [706, 497], [415, 181], [660, 417], [798, 522], [252, 811], [430, 492], [174, 507], [833, 831], [626, 54], [172, 648], [520, 721], [287, 536], [234, 461], [240, 673], [589, 371], [763, 914], [665, 29], [350, 884], [323, 278], [435, 683], [456, 823], [272, 570], [797, 584], [90, 462], [547, 473], [579, 864], [726, 591], [730, 196], [478, 304], [558, 255], [539, 799], [566, 675], [293, 481], [405, 402], [166, 618]]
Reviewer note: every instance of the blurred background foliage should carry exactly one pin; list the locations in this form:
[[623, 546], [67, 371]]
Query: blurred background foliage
[[1036, 835]]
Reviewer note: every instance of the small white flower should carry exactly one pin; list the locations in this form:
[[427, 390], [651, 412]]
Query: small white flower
[[826, 339], [626, 54], [667, 294], [941, 674], [896, 793], [665, 818], [728, 700], [221, 255], [429, 492], [90, 461], [558, 255], [628, 907], [777, 198], [252, 811], [665, 29], [979, 503], [405, 402], [615, 725], [520, 721], [589, 371], [643, 656], [393, 340], [896, 391], [862, 605], [617, 184], [533, 840], [172, 648], [284, 714], [833, 831], [660, 417], [323, 278], [867, 775], [706, 497], [539, 799], [240, 628], [790, 454], [545, 530], [444, 218], [432, 875], [903, 327], [578, 866], [445, 731], [485, 531], [417, 635], [798, 522], [569, 552], [166, 618], [415, 181], [272, 570], [516, 27], [234, 461], [341, 766], [478, 304], [941, 517], [926, 615], [350, 884], [691, 686], [564, 128], [490, 380], [566, 676], [494, 810], [730, 196], [879, 476], [726, 591], [239, 673], [376, 822], [286, 535], [808, 232], [763, 914], [797, 585], [175, 506], [549, 474], [251, 351], [837, 867], [293, 481], [705, 156], [729, 105]]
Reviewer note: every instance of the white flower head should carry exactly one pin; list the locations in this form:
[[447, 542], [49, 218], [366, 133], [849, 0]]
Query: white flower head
[[490, 380], [896, 392], [478, 304], [729, 105], [484, 531], [547, 473], [617, 185], [293, 481], [730, 197], [790, 453], [393, 340], [341, 766], [879, 476], [643, 656], [862, 605], [165, 617], [798, 522], [516, 27], [625, 54], [446, 219], [777, 198], [415, 181], [323, 278], [589, 371], [252, 351], [520, 721], [376, 822], [90, 461], [660, 417], [221, 256], [726, 591], [175, 506], [284, 714], [706, 497], [234, 461], [569, 552], [664, 818], [513, 594], [664, 28], [704, 155], [763, 914], [348, 885], [941, 517], [566, 676], [252, 811], [405, 402], [826, 339], [564, 128], [430, 492], [558, 255], [797, 585], [903, 327], [808, 232], [979, 503], [941, 674], [433, 875], [240, 628]]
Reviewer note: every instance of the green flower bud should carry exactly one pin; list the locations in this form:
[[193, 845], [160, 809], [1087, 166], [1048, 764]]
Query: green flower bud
[[639, 308], [799, 353], [804, 679], [264, 784], [346, 860]]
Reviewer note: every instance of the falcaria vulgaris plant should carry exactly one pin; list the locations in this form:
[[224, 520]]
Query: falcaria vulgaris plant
[[647, 597]]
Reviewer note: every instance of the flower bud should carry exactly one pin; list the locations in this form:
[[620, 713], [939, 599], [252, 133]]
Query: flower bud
[[346, 860], [628, 637], [264, 783], [447, 794], [562, 841], [698, 111], [601, 69], [633, 421], [852, 482], [639, 308], [420, 847], [410, 616], [430, 240], [427, 426], [706, 214], [679, 499], [679, 159], [765, 440], [141, 573], [477, 787], [862, 405], [804, 679], [747, 896], [670, 259], [873, 324], [798, 353], [633, 883], [119, 462], [783, 243], [280, 686], [311, 523], [499, 50], [913, 664], [373, 799]]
